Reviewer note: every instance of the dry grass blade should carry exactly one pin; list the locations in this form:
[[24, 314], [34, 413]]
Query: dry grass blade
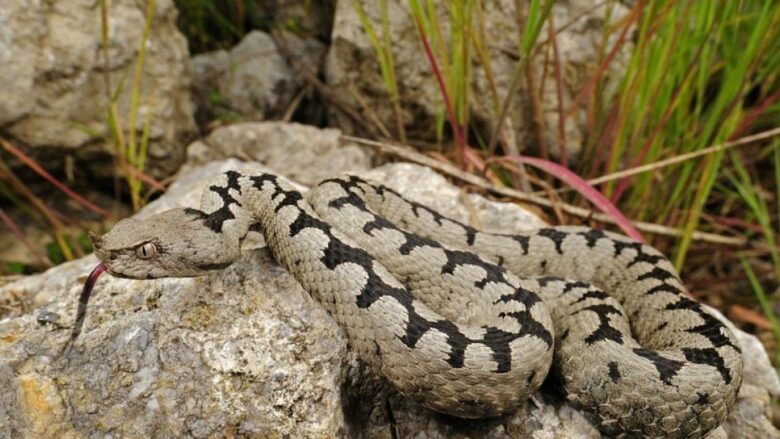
[[384, 53], [48, 213], [747, 315], [23, 239], [324, 90], [685, 157], [656, 229], [537, 15], [588, 88], [584, 189], [456, 128], [32, 164], [142, 176], [763, 135], [561, 131]]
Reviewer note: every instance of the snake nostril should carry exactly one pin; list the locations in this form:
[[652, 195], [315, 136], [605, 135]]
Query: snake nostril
[[112, 256]]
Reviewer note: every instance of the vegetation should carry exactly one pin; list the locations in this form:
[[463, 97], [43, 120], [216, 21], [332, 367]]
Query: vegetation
[[700, 74]]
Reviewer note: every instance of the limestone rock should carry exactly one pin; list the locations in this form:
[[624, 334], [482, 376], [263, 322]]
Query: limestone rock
[[352, 68], [52, 71], [252, 81], [752, 417], [301, 152], [246, 352]]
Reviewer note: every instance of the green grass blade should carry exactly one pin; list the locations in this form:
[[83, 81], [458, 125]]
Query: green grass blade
[[765, 304]]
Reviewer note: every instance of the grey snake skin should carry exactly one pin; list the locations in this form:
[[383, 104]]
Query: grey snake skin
[[466, 322]]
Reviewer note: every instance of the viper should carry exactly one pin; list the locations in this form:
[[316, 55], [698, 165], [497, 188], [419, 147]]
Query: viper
[[466, 322]]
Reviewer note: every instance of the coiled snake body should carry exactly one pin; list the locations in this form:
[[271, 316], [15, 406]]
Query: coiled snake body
[[467, 322]]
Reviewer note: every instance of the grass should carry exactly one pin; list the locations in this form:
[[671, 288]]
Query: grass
[[384, 53], [211, 24], [130, 151], [220, 24], [684, 91], [537, 15], [699, 74], [66, 245], [131, 146], [766, 305]]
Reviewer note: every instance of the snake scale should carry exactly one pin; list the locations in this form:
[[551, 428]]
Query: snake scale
[[466, 322]]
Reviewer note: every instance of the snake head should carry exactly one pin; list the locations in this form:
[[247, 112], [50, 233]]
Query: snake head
[[174, 243]]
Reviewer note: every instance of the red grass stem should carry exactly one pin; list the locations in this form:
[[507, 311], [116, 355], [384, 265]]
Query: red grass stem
[[456, 128], [585, 189], [32, 164], [603, 67], [23, 239]]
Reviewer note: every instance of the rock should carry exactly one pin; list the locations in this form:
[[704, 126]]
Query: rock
[[253, 81], [246, 352], [352, 68], [295, 150], [752, 417], [52, 71]]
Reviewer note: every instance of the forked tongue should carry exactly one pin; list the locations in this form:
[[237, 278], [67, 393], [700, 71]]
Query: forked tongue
[[81, 313]]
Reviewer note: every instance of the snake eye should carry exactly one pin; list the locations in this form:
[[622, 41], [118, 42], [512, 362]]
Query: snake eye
[[146, 251]]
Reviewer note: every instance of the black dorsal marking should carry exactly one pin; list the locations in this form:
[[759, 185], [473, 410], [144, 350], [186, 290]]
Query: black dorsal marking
[[658, 273], [614, 373], [711, 328], [605, 331], [592, 236], [522, 240], [216, 220], [456, 258], [592, 294], [710, 357], [556, 236], [666, 367]]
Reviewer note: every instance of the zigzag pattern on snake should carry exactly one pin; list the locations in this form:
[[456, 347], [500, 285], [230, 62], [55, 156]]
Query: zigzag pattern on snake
[[467, 322]]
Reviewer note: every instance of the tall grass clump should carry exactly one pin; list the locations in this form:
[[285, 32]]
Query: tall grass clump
[[700, 74], [130, 153], [130, 150], [384, 52], [686, 87], [452, 64], [668, 115]]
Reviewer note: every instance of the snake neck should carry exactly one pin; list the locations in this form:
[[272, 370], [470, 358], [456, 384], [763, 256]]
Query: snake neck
[[235, 203]]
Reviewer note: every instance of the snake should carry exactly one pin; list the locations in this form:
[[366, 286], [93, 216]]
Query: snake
[[465, 322]]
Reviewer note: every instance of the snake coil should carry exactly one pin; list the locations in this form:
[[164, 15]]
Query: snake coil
[[469, 323]]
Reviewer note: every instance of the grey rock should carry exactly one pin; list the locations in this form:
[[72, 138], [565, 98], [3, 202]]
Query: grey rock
[[52, 71], [163, 358], [301, 152], [246, 352], [253, 81], [352, 68], [752, 417]]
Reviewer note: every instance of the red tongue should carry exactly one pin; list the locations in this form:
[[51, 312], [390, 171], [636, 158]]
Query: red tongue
[[81, 313]]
